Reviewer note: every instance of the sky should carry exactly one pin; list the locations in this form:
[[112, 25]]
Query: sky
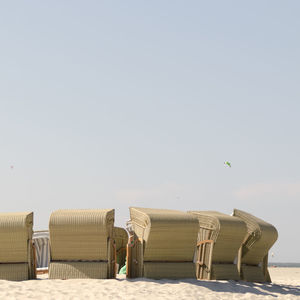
[[112, 104]]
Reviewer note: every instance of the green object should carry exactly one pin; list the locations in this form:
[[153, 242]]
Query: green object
[[227, 163], [123, 270]]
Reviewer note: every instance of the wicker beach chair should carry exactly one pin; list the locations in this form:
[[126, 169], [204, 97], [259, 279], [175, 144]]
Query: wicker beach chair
[[41, 246], [219, 239], [81, 244], [253, 254], [161, 244], [121, 239], [16, 251]]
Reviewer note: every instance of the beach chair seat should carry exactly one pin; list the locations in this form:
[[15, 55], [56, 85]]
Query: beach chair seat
[[219, 239], [82, 244], [161, 244], [16, 251], [253, 253]]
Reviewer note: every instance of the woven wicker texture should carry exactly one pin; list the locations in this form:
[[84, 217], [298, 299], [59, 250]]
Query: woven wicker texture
[[228, 233], [254, 255], [169, 235], [80, 234], [253, 274], [17, 271], [16, 251], [121, 239], [15, 232], [162, 243], [224, 272], [177, 270], [262, 236], [72, 270]]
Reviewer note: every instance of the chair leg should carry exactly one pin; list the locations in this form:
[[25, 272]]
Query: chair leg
[[198, 262], [265, 269], [210, 261], [239, 262]]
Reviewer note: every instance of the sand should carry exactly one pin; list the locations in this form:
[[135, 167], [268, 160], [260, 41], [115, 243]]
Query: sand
[[286, 285]]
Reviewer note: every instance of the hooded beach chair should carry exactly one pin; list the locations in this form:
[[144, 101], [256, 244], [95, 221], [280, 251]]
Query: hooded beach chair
[[162, 243], [81, 244], [16, 250], [121, 240], [41, 245], [253, 254], [219, 239]]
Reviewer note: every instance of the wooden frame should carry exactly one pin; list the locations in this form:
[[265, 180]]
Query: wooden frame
[[33, 257], [41, 272], [200, 263], [129, 255], [112, 258], [130, 260]]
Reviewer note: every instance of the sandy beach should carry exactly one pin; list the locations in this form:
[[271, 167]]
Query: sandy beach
[[286, 285]]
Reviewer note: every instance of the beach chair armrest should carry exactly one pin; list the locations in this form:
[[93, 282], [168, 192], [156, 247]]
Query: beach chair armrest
[[204, 242]]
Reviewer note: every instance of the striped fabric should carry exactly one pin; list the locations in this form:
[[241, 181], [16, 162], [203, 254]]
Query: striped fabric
[[41, 244]]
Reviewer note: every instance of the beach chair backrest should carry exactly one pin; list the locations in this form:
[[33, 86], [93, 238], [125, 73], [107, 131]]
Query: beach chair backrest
[[16, 250], [80, 234]]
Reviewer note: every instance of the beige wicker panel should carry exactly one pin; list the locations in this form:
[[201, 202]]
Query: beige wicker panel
[[253, 273], [225, 272], [262, 236], [169, 235], [170, 270], [254, 252], [228, 233], [15, 232], [17, 272], [80, 234], [72, 270]]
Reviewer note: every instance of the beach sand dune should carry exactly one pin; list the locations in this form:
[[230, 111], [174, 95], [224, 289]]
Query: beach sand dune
[[286, 285]]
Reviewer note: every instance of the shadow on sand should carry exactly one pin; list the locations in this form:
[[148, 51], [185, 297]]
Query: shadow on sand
[[242, 287]]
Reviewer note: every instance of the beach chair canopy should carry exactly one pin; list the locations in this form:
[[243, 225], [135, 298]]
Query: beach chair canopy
[[168, 239], [16, 251], [82, 240], [258, 240], [261, 237], [219, 239]]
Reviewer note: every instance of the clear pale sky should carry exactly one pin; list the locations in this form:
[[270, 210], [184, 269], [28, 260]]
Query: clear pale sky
[[111, 104]]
